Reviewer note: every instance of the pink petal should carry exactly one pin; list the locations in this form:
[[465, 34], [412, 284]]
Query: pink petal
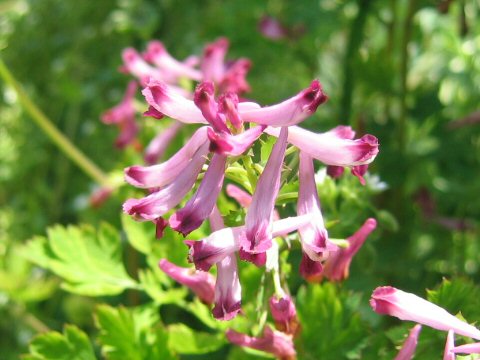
[[228, 292], [449, 345], [212, 64], [233, 145], [204, 99], [408, 349], [156, 148]]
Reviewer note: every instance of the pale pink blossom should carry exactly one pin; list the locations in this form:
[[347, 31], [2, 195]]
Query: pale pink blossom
[[387, 300], [449, 345], [157, 147], [408, 348], [467, 349], [200, 282], [228, 291], [284, 314]]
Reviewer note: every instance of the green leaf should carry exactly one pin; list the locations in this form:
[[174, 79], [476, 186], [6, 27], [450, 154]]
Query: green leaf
[[331, 324], [139, 234], [89, 262], [152, 286], [133, 334], [184, 340], [73, 344]]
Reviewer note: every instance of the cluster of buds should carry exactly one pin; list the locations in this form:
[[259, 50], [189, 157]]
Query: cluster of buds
[[227, 126]]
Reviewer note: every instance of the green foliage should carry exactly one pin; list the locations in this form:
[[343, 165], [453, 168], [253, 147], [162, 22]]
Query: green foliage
[[131, 333], [331, 324], [73, 344], [184, 340], [89, 261]]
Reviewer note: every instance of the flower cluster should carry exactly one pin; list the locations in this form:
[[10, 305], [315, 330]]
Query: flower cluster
[[227, 127]]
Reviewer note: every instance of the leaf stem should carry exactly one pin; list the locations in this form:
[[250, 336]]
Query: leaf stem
[[65, 145]]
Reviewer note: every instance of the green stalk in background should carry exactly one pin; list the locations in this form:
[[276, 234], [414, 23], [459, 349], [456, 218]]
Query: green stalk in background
[[65, 145]]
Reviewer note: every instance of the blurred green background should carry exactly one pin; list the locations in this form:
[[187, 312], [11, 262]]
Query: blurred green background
[[406, 71]]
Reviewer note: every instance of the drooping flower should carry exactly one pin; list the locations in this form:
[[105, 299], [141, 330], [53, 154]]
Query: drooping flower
[[311, 270], [314, 235], [200, 282], [337, 266], [405, 306], [284, 314], [272, 341], [156, 148], [201, 204], [408, 348], [258, 223]]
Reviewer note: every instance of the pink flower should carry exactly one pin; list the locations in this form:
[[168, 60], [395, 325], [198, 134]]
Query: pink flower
[[123, 115], [134, 64], [311, 270], [161, 201], [200, 282], [405, 306], [233, 145], [258, 233], [228, 291], [200, 205], [284, 314], [449, 345], [156, 148], [204, 99], [408, 349], [163, 174], [330, 148], [272, 341], [467, 349], [337, 266], [272, 29], [314, 235], [241, 196]]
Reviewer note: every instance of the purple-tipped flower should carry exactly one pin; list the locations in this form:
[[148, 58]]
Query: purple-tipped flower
[[449, 345], [204, 99], [172, 69], [158, 176], [212, 64], [123, 115], [408, 349], [200, 282], [160, 202], [291, 111], [228, 105], [234, 78], [284, 314], [233, 145], [337, 266], [258, 223], [311, 270], [156, 148], [201, 204], [330, 148], [272, 341], [314, 236], [228, 291], [387, 300]]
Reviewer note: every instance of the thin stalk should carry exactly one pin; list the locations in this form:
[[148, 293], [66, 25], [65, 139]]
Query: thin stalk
[[65, 145]]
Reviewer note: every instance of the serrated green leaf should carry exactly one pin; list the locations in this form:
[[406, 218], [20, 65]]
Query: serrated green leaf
[[73, 344], [139, 234], [88, 261], [331, 324], [184, 340], [133, 334], [152, 286]]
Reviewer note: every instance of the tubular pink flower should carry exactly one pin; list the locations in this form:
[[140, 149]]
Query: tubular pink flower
[[228, 291], [310, 270], [258, 223], [135, 65], [220, 243], [212, 64], [314, 235], [467, 349], [201, 204], [157, 176], [234, 78], [200, 282], [330, 148], [272, 341], [156, 148], [408, 349], [449, 345], [233, 145], [337, 266], [291, 111], [167, 101], [123, 115], [405, 306], [284, 314], [241, 196], [158, 55], [228, 105], [158, 203], [204, 99]]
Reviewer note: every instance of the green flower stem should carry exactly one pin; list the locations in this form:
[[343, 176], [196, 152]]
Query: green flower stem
[[65, 145]]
